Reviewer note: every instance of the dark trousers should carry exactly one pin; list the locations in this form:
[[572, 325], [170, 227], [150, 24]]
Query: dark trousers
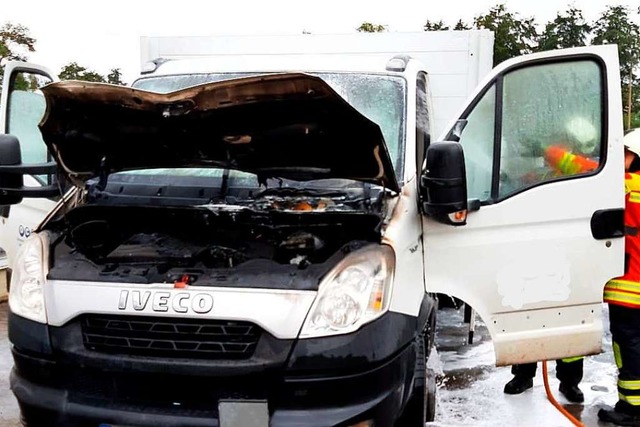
[[569, 373], [625, 331]]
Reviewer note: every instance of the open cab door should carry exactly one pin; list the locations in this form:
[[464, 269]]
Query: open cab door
[[22, 106], [540, 212]]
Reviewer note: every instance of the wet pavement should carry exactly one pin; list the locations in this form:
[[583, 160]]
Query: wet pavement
[[9, 415], [470, 385]]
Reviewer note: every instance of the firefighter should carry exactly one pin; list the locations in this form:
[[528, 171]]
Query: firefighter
[[568, 371], [623, 296]]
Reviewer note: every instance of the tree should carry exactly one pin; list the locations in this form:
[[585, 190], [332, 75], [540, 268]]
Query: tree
[[441, 26], [461, 26], [73, 71], [368, 27], [115, 77], [513, 36], [567, 30], [615, 26], [436, 26], [15, 43]]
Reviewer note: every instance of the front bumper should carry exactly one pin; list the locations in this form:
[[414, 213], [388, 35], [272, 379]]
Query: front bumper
[[343, 400], [318, 384]]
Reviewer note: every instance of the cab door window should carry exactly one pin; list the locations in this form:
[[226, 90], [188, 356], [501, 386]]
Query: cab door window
[[25, 108], [534, 125], [478, 142], [551, 124]]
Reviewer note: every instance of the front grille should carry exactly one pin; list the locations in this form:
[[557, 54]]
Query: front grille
[[170, 337]]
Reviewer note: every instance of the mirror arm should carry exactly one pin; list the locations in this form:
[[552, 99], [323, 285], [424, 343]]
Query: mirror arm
[[473, 205], [34, 192], [48, 168]]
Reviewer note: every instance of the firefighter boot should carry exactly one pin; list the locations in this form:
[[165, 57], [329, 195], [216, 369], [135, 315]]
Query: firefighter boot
[[572, 392], [518, 384], [610, 415]]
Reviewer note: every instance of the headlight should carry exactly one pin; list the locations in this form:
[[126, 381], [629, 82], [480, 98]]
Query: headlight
[[355, 292], [26, 296]]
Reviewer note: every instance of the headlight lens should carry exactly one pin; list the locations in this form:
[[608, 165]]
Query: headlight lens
[[355, 292], [26, 296]]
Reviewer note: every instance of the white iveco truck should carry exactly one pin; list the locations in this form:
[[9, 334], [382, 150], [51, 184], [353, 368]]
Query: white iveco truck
[[257, 242]]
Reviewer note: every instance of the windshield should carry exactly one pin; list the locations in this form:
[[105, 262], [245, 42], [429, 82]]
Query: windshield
[[380, 98]]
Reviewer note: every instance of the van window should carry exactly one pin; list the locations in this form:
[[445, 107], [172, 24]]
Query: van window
[[25, 108], [477, 140], [551, 124], [547, 126]]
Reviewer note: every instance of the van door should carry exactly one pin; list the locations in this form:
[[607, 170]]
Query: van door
[[544, 163], [21, 108]]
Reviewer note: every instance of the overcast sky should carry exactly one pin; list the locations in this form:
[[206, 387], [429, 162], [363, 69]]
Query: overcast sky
[[101, 39]]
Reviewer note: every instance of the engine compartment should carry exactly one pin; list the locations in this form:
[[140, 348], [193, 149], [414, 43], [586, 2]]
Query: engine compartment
[[205, 245]]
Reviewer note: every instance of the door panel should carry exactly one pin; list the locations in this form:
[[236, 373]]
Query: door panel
[[21, 109], [543, 152]]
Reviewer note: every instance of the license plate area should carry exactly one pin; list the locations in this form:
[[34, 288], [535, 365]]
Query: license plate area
[[245, 413]]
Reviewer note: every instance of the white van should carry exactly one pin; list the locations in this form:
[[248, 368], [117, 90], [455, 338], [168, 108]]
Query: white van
[[261, 245]]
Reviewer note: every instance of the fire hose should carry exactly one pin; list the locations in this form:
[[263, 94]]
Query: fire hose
[[552, 399]]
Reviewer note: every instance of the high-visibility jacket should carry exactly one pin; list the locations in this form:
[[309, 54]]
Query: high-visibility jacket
[[625, 290], [564, 162]]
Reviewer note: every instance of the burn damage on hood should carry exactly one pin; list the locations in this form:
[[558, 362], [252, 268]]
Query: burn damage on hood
[[290, 126]]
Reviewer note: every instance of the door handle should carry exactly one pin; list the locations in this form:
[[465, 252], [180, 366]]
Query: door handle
[[607, 223]]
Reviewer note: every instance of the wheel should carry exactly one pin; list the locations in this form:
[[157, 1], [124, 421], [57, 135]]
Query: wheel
[[422, 404]]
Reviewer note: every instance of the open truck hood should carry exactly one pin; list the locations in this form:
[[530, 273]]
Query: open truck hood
[[286, 125]]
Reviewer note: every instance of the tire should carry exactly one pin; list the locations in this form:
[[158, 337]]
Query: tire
[[422, 404]]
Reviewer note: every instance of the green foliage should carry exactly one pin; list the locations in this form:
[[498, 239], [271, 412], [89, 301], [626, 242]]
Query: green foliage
[[115, 77], [15, 43], [513, 36], [368, 27], [436, 26], [615, 26], [442, 26], [26, 82], [73, 71], [566, 30], [461, 26]]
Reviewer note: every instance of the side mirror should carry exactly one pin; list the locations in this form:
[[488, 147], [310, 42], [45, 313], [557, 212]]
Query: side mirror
[[12, 188], [10, 155], [443, 184]]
